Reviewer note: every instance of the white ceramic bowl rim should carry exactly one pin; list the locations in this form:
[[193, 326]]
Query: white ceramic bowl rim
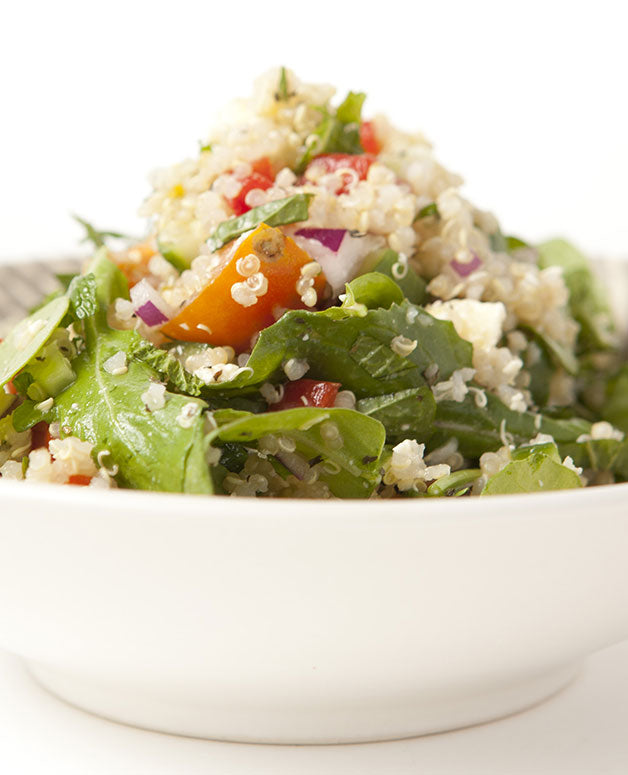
[[182, 506]]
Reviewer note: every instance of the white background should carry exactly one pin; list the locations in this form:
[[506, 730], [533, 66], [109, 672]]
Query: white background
[[526, 100]]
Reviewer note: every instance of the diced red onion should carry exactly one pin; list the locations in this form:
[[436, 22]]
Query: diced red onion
[[330, 238], [149, 304], [464, 269], [343, 264]]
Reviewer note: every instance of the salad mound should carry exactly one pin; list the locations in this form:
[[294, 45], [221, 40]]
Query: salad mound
[[316, 311]]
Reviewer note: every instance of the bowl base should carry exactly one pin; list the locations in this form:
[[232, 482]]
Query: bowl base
[[336, 721]]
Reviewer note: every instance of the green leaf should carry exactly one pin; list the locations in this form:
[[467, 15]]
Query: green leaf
[[355, 351], [504, 243], [412, 285], [352, 470], [336, 133], [615, 408], [96, 237], [205, 147], [278, 213], [152, 450], [29, 336], [82, 293], [350, 110], [535, 469], [282, 93], [515, 243], [427, 212], [561, 356], [374, 290], [50, 370], [587, 299], [110, 284], [456, 483], [27, 414], [407, 414], [6, 402], [482, 429]]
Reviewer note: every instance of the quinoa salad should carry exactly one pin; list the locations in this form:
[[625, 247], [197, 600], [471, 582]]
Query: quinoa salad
[[316, 311]]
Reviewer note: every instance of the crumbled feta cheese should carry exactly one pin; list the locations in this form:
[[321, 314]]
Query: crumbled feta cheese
[[188, 414], [154, 397], [116, 365]]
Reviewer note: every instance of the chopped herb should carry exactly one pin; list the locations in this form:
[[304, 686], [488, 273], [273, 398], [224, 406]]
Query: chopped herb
[[278, 213], [96, 237], [336, 133], [427, 211], [282, 88]]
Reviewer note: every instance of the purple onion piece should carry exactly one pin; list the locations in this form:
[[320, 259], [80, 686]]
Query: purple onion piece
[[330, 238], [152, 316], [465, 269]]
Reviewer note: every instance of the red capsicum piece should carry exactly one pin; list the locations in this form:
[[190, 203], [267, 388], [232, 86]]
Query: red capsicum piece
[[307, 392]]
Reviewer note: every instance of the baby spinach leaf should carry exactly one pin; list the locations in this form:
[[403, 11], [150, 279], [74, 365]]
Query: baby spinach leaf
[[374, 290], [336, 133], [587, 299], [407, 414], [600, 455], [412, 285], [110, 284], [559, 354], [29, 336], [278, 213], [350, 471], [482, 429], [355, 351], [108, 411], [535, 469]]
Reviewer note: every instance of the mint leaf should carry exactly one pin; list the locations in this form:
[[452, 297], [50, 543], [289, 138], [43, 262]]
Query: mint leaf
[[278, 213], [167, 366], [407, 414]]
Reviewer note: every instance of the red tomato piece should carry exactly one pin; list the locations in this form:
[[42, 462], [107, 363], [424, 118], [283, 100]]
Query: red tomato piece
[[80, 479], [40, 435], [335, 162], [261, 177], [368, 138], [11, 388], [307, 392]]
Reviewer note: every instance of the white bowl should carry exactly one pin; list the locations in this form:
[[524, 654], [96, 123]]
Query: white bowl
[[305, 621]]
